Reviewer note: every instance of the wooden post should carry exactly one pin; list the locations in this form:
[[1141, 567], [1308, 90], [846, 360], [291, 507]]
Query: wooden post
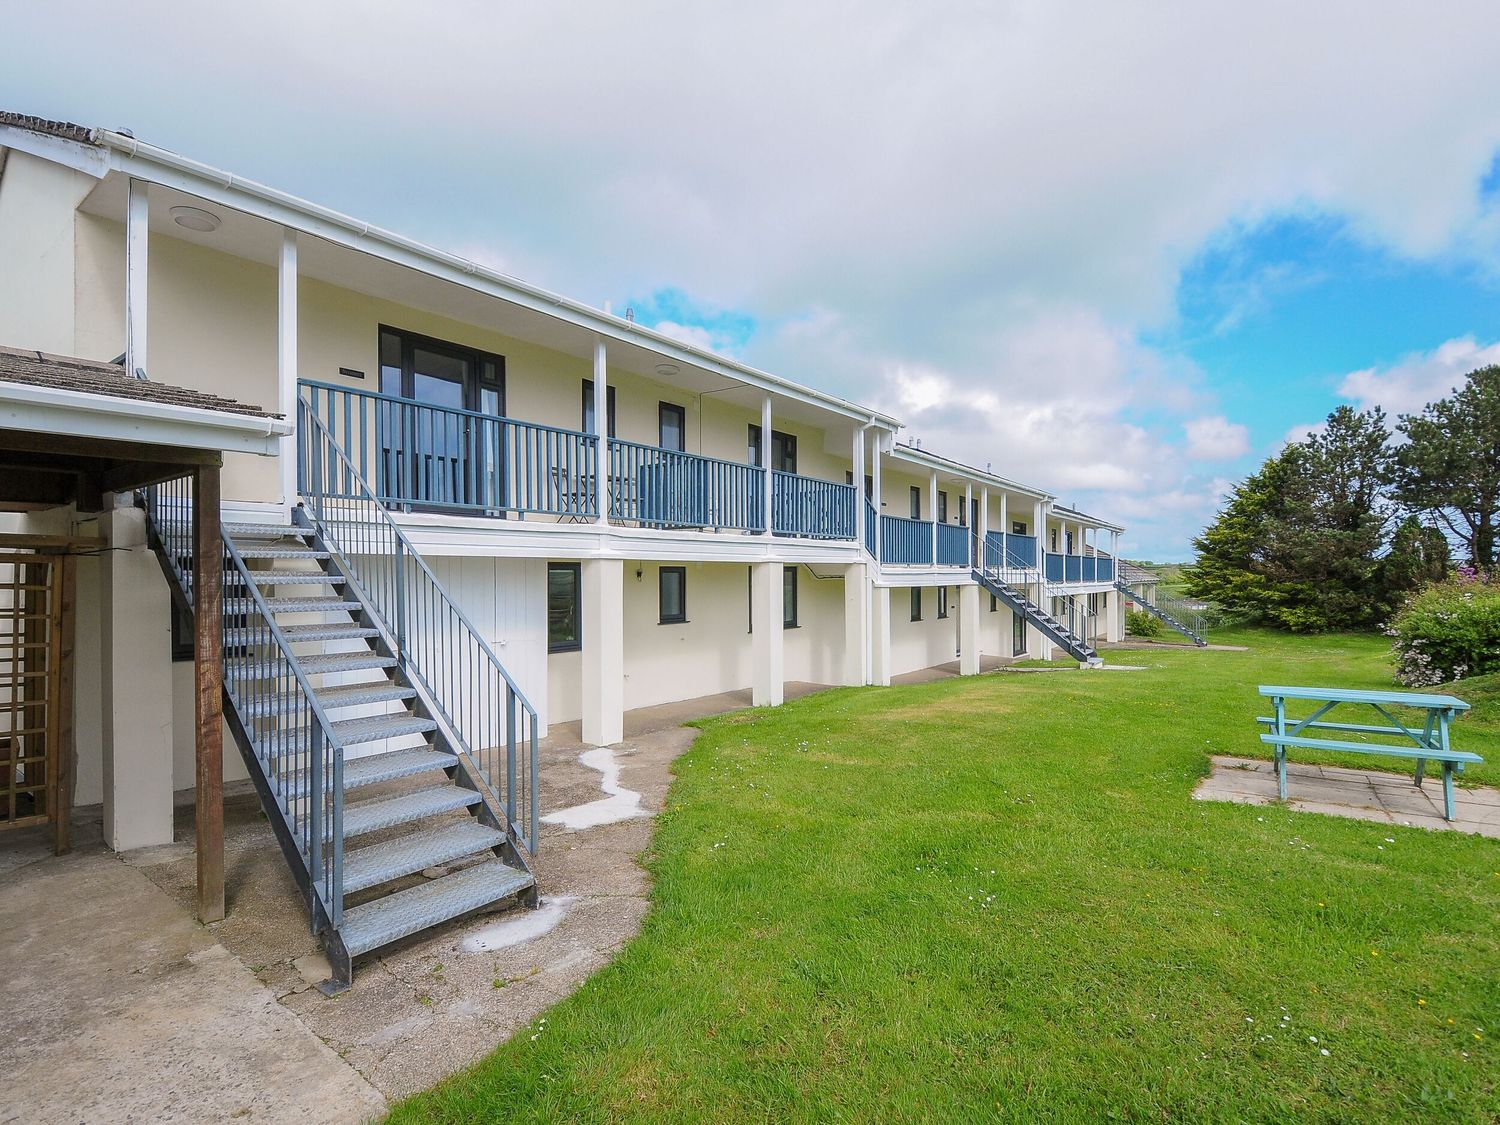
[[62, 809], [208, 674]]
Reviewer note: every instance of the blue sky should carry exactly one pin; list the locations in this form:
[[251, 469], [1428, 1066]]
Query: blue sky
[[1120, 252]]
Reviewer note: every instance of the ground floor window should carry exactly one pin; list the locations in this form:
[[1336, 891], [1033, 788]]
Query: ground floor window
[[1017, 635], [563, 608], [789, 597], [916, 603], [994, 604], [672, 594], [942, 596]]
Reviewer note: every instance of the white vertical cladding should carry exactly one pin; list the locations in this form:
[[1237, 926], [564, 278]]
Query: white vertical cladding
[[880, 635], [603, 582], [506, 600], [765, 458], [601, 429], [137, 240], [286, 359], [856, 624], [968, 630], [768, 683]]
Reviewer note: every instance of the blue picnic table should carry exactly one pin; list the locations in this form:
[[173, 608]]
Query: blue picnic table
[[1425, 740]]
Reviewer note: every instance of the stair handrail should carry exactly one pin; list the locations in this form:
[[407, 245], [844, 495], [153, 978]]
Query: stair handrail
[[429, 664], [319, 836], [1177, 612], [1016, 571]]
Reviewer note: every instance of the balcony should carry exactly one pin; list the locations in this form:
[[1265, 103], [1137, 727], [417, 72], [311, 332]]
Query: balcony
[[1079, 568], [905, 542], [417, 456]]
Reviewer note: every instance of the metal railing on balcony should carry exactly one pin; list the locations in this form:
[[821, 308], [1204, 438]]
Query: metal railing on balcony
[[952, 545], [815, 509], [871, 516], [905, 542], [1079, 568], [419, 455], [665, 488], [1022, 548], [485, 717]]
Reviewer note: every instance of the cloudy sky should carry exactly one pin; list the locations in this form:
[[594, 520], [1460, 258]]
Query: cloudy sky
[[1119, 250]]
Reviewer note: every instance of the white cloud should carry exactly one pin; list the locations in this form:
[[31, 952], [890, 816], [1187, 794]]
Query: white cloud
[[1411, 383], [1216, 439], [973, 218]]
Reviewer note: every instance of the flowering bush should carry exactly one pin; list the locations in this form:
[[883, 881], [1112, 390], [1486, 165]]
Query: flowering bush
[[1448, 631]]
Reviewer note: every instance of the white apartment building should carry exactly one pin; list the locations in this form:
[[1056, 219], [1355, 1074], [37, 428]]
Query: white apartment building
[[485, 509]]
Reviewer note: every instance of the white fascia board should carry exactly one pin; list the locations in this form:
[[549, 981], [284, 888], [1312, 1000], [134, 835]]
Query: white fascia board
[[1066, 514], [88, 159], [52, 410], [476, 536], [957, 468], [903, 576], [147, 162]]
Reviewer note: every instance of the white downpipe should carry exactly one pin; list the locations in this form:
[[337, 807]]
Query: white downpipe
[[286, 358], [765, 456], [878, 501], [601, 429], [137, 242]]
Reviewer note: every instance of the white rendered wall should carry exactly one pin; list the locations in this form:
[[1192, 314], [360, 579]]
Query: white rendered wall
[[37, 204]]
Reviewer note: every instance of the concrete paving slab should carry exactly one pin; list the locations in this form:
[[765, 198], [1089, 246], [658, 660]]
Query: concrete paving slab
[[123, 1009], [1384, 798]]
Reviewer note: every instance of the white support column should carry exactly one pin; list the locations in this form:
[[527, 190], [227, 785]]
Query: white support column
[[768, 681], [932, 512], [765, 463], [857, 460], [136, 687], [603, 651], [601, 429], [137, 238], [984, 526], [856, 624], [880, 635], [876, 499], [968, 519], [968, 630], [286, 360]]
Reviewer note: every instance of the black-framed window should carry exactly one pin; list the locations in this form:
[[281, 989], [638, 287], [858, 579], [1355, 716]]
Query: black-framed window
[[869, 482], [783, 449], [916, 502], [441, 372], [588, 407], [1054, 541], [942, 600], [671, 585], [916, 603], [994, 604], [671, 426], [182, 633], [1017, 527], [1017, 635], [564, 608], [789, 597], [942, 511]]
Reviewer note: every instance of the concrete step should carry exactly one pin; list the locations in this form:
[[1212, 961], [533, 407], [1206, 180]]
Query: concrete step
[[389, 919], [380, 863]]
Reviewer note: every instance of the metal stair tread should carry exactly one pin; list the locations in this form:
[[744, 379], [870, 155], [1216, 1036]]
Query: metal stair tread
[[238, 531], [336, 631], [344, 662], [378, 923], [387, 812], [381, 767], [333, 698], [374, 864], [294, 577], [330, 604], [282, 553]]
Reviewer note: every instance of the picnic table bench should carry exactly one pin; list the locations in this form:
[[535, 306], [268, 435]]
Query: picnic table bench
[[1426, 741]]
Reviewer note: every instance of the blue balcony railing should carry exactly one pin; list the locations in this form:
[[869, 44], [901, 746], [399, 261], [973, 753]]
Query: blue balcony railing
[[952, 545], [806, 506], [418, 455], [905, 542], [1079, 568], [1053, 567], [870, 525], [1020, 549], [664, 488]]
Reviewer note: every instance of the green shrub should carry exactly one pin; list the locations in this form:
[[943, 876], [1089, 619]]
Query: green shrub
[[1448, 631], [1139, 623]]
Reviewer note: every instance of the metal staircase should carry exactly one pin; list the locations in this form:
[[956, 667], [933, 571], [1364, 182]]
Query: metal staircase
[[1007, 577], [1185, 621], [376, 760]]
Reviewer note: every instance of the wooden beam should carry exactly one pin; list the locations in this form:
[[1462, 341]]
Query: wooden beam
[[208, 683], [110, 449], [126, 475], [49, 543], [26, 486]]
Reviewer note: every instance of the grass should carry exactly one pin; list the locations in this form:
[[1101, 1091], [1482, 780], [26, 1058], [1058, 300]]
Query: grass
[[992, 899]]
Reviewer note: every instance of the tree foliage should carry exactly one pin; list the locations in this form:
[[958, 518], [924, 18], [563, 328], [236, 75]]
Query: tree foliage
[[1449, 466]]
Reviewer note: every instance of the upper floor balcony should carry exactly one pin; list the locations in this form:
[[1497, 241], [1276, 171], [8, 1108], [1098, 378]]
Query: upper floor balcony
[[423, 457]]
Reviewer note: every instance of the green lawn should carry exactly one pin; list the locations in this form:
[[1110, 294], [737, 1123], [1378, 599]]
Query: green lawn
[[992, 898]]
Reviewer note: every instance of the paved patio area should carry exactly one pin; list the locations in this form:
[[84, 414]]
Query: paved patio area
[[123, 1008], [1386, 798]]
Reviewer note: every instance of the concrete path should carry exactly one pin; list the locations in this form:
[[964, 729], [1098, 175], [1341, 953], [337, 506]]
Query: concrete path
[[1386, 798], [120, 1008], [125, 1009]]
